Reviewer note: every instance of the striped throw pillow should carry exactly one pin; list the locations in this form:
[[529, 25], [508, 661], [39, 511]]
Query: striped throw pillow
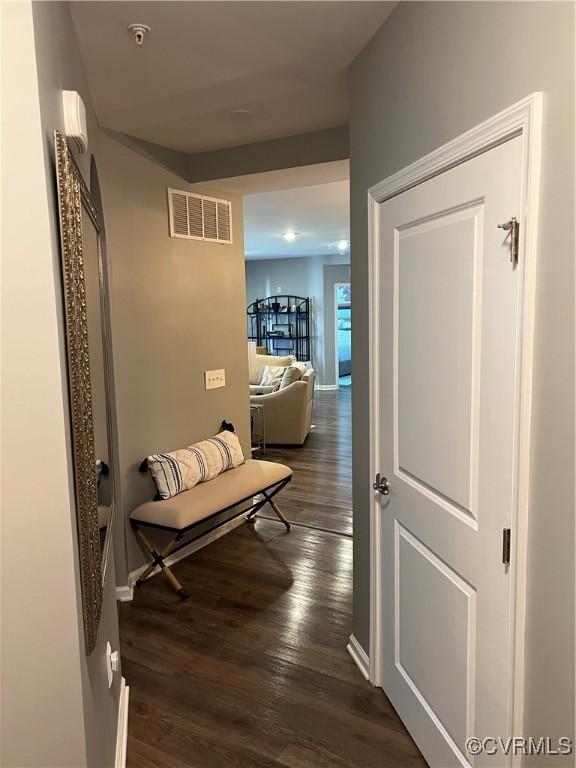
[[183, 469]]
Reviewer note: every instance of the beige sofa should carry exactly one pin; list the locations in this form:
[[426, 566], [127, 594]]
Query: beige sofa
[[287, 412]]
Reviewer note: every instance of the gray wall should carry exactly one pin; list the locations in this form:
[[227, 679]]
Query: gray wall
[[304, 277], [301, 150], [289, 152], [57, 709], [178, 309], [60, 67], [430, 73]]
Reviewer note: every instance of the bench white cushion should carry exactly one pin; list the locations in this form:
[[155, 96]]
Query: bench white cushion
[[213, 496]]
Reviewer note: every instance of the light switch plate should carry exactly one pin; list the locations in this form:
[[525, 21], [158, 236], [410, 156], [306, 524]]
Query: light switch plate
[[215, 379]]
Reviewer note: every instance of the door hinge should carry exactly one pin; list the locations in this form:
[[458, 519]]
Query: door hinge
[[506, 535], [512, 226]]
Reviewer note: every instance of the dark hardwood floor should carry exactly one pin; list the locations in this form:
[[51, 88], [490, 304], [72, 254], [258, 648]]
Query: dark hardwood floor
[[320, 494], [252, 671]]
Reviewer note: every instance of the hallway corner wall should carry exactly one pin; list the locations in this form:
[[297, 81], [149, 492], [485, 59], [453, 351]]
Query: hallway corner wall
[[177, 309]]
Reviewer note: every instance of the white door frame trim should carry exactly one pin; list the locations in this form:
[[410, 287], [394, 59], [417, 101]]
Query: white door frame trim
[[521, 119]]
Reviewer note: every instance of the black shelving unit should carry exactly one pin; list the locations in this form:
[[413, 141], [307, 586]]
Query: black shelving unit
[[282, 325]]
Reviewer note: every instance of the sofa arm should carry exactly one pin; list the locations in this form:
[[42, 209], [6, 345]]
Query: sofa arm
[[285, 413], [293, 393], [256, 389]]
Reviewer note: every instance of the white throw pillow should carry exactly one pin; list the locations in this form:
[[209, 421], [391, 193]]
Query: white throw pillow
[[183, 469], [272, 375]]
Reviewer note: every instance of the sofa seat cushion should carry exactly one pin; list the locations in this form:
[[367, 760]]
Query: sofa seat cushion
[[213, 496]]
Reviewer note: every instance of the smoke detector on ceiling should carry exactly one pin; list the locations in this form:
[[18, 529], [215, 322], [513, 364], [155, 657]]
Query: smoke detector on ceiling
[[139, 31]]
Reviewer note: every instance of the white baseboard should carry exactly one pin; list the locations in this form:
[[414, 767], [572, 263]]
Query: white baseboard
[[126, 592], [359, 657], [326, 387], [122, 730]]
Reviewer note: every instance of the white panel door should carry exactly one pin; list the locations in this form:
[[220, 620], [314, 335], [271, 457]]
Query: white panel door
[[448, 341]]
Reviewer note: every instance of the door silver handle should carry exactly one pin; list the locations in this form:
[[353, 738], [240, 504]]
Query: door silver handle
[[381, 485]]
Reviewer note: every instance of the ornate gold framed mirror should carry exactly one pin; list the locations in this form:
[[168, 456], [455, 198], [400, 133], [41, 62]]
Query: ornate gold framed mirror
[[87, 342]]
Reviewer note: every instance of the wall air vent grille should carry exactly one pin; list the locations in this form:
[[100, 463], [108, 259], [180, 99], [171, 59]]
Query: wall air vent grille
[[197, 217]]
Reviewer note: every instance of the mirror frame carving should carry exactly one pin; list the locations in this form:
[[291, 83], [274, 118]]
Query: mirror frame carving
[[73, 195]]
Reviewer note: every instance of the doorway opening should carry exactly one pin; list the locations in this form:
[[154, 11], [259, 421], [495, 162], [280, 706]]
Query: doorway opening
[[297, 262], [343, 335]]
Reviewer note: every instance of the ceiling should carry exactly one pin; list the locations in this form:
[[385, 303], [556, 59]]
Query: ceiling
[[283, 64], [320, 214]]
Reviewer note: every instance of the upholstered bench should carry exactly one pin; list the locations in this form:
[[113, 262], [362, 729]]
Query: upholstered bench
[[182, 513]]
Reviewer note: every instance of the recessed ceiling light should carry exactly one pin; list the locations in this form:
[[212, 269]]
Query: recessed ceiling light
[[342, 245], [290, 236], [240, 113]]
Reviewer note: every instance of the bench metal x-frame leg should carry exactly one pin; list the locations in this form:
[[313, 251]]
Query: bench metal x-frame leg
[[158, 559], [268, 499], [176, 543]]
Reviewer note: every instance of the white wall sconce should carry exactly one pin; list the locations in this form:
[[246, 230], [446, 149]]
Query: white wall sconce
[[74, 115]]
